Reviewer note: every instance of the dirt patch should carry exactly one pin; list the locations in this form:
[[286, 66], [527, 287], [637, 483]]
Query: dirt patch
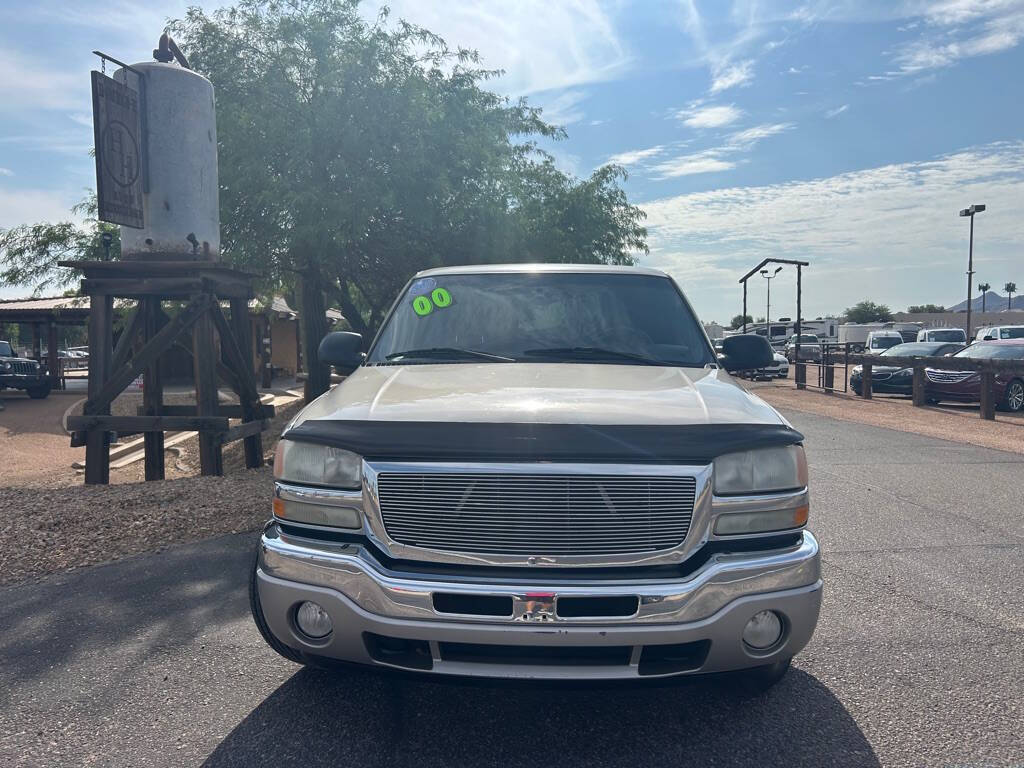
[[960, 424]]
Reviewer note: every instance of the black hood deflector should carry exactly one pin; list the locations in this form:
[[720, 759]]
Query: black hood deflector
[[488, 442]]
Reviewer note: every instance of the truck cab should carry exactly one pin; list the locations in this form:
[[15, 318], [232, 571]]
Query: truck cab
[[542, 472]]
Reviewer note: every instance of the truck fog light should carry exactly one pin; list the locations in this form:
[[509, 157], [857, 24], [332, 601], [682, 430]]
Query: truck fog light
[[762, 631], [313, 620]]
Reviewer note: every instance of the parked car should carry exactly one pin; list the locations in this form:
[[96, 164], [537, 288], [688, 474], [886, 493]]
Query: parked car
[[1000, 332], [780, 369], [539, 471], [965, 386], [23, 373], [810, 348], [895, 379], [878, 341], [953, 335]]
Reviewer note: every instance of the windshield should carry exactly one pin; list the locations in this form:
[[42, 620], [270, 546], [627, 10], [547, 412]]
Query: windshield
[[543, 317], [5, 349], [884, 342], [1012, 333], [993, 351], [951, 334]]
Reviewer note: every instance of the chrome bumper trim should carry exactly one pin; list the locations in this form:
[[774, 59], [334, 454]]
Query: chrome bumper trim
[[350, 570]]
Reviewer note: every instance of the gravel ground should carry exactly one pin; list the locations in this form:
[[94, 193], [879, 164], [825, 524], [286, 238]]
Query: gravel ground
[[959, 423], [52, 528]]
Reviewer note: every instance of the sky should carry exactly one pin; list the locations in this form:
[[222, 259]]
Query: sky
[[847, 133]]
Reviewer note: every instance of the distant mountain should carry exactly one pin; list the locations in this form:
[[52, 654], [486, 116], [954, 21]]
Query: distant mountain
[[993, 303]]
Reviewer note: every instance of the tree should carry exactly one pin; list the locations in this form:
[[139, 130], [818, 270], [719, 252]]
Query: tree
[[868, 312], [925, 308], [983, 287], [739, 321], [1010, 288], [353, 153], [29, 252]]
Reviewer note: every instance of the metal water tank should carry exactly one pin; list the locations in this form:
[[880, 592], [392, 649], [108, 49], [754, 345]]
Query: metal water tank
[[182, 198]]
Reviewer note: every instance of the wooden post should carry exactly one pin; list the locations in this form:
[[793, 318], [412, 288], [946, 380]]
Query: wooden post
[[865, 384], [152, 390], [101, 347], [919, 386], [242, 330], [988, 400], [266, 353], [205, 373], [37, 341], [52, 360]]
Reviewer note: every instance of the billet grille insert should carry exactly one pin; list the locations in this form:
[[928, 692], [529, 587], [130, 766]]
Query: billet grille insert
[[536, 514]]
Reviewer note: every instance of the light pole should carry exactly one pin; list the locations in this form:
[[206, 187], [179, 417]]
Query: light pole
[[976, 208], [768, 309]]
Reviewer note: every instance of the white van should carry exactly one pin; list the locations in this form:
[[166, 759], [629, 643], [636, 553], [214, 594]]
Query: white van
[[951, 335], [879, 341], [995, 332]]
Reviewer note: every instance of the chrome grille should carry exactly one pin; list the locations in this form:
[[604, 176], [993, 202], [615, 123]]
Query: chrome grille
[[536, 514], [948, 377]]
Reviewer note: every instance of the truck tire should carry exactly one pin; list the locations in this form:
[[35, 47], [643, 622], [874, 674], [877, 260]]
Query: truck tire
[[39, 393], [261, 623]]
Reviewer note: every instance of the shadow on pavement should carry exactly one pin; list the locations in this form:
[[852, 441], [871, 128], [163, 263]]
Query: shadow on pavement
[[355, 717]]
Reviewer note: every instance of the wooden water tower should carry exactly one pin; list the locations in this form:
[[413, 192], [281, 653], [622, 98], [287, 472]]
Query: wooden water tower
[[156, 169]]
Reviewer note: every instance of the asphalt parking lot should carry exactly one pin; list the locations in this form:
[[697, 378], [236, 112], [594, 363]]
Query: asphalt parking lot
[[918, 659]]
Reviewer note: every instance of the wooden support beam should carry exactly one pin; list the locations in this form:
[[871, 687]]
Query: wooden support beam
[[246, 430], [988, 399], [266, 353], [865, 381], [204, 362], [253, 409], [918, 386], [152, 389], [124, 344], [152, 350], [227, 411], [52, 359], [101, 342], [133, 424]]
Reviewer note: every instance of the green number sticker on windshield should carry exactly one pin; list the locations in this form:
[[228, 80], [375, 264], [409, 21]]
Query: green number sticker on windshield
[[421, 306], [441, 297]]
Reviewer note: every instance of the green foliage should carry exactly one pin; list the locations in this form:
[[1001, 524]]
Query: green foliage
[[738, 321], [355, 153], [925, 308], [29, 253], [868, 312]]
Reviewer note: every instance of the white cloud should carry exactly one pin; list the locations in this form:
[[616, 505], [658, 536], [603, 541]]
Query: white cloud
[[732, 75], [710, 117], [634, 156], [563, 108], [541, 45], [745, 139], [29, 83], [836, 112], [708, 161], [6, 172], [891, 233], [28, 206]]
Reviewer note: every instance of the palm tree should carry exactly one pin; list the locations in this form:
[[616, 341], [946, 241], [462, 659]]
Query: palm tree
[[983, 287], [1010, 288]]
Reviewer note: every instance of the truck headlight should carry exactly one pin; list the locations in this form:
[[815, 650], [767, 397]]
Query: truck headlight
[[764, 470], [308, 463]]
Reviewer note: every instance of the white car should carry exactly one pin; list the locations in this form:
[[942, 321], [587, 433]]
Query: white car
[[879, 341], [1000, 332], [781, 368], [950, 335]]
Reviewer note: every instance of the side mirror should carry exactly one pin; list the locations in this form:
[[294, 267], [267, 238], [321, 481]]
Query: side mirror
[[746, 352], [343, 350]]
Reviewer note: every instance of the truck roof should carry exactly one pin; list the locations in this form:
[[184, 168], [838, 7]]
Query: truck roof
[[477, 269]]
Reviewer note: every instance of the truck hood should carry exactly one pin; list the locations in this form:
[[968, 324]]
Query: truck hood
[[559, 393]]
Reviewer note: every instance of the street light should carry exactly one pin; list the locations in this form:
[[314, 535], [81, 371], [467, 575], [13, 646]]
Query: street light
[[768, 310], [976, 208]]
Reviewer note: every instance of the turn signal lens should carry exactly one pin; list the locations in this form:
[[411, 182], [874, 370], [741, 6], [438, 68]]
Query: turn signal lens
[[761, 522]]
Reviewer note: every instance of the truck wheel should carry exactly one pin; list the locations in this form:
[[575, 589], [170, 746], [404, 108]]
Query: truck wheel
[[261, 623], [39, 393], [1014, 399], [757, 680]]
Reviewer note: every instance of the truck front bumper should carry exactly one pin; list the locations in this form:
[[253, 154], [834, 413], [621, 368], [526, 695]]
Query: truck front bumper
[[680, 626]]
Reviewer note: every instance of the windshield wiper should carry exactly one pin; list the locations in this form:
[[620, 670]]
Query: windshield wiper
[[592, 353], [450, 353]]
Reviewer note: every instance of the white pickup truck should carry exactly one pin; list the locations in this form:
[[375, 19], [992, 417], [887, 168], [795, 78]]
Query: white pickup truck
[[540, 472]]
